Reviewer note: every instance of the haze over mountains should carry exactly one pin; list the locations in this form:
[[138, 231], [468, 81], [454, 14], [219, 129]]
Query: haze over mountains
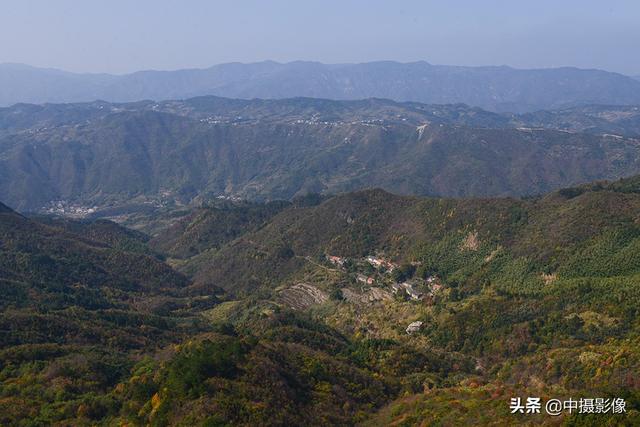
[[244, 297], [101, 154], [492, 88], [305, 243]]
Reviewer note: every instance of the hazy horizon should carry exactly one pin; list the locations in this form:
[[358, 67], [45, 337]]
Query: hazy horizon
[[21, 64], [121, 37]]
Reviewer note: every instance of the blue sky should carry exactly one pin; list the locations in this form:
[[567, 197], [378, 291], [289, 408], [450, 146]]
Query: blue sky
[[119, 36]]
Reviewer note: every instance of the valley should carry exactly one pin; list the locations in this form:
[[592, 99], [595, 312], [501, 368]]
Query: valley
[[363, 308], [288, 213]]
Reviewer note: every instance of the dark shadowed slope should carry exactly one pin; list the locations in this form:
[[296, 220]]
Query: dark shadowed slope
[[54, 263]]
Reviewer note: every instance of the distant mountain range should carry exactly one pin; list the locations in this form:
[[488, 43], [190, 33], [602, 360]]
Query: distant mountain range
[[492, 88], [75, 158]]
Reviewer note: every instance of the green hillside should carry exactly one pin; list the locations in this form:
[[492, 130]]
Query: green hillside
[[300, 313], [211, 228], [536, 294], [95, 331], [74, 311]]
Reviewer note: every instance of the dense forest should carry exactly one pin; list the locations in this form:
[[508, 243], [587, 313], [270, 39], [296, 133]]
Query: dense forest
[[299, 312]]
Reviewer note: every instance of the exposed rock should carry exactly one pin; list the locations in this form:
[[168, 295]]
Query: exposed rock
[[409, 289], [377, 294], [369, 296], [414, 327]]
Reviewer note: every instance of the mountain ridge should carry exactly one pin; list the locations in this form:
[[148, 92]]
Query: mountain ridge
[[210, 147], [497, 88]]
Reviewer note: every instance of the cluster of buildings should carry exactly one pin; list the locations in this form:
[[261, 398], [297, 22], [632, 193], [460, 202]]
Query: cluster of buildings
[[412, 287], [416, 289], [381, 263], [64, 208], [367, 280], [409, 289], [336, 260]]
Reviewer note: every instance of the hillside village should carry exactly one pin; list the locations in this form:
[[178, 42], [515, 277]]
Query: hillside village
[[474, 314], [361, 282], [377, 271], [297, 214]]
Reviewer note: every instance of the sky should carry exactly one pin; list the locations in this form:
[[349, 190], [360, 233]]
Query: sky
[[121, 36]]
